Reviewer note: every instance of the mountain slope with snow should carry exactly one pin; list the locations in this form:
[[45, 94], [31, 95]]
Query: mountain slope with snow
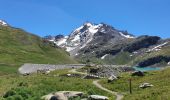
[[102, 43], [87, 34], [3, 23]]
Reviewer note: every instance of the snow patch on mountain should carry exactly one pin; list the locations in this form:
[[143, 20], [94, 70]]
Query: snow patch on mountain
[[94, 28], [68, 49], [78, 29], [126, 36], [88, 41], [103, 57], [169, 63], [158, 47], [3, 23], [76, 38], [102, 30], [83, 35], [61, 42]]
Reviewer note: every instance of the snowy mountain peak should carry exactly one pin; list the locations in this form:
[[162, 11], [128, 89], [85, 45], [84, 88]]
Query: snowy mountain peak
[[88, 24], [3, 23], [89, 34], [87, 27], [84, 34]]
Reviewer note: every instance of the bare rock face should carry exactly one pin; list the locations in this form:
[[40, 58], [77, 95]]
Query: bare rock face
[[154, 60], [142, 42]]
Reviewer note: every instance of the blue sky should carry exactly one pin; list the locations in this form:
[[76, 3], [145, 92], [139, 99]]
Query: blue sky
[[44, 17]]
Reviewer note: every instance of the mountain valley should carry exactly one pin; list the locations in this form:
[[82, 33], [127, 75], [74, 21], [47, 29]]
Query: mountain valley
[[94, 62]]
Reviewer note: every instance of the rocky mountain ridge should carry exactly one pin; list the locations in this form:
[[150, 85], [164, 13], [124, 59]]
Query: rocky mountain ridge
[[87, 34], [102, 43]]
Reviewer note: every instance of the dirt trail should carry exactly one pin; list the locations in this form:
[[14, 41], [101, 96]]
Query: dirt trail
[[96, 83], [118, 95]]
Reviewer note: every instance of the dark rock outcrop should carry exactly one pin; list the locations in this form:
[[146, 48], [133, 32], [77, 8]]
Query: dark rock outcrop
[[142, 42], [102, 53], [138, 73], [154, 60], [59, 37]]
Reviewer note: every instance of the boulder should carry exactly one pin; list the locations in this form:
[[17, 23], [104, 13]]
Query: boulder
[[26, 74], [94, 70], [62, 95], [98, 97], [54, 98], [47, 97], [138, 73], [47, 72], [112, 78], [145, 85], [68, 74]]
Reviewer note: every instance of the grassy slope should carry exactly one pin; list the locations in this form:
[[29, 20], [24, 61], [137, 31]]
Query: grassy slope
[[18, 47], [160, 91], [35, 86]]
